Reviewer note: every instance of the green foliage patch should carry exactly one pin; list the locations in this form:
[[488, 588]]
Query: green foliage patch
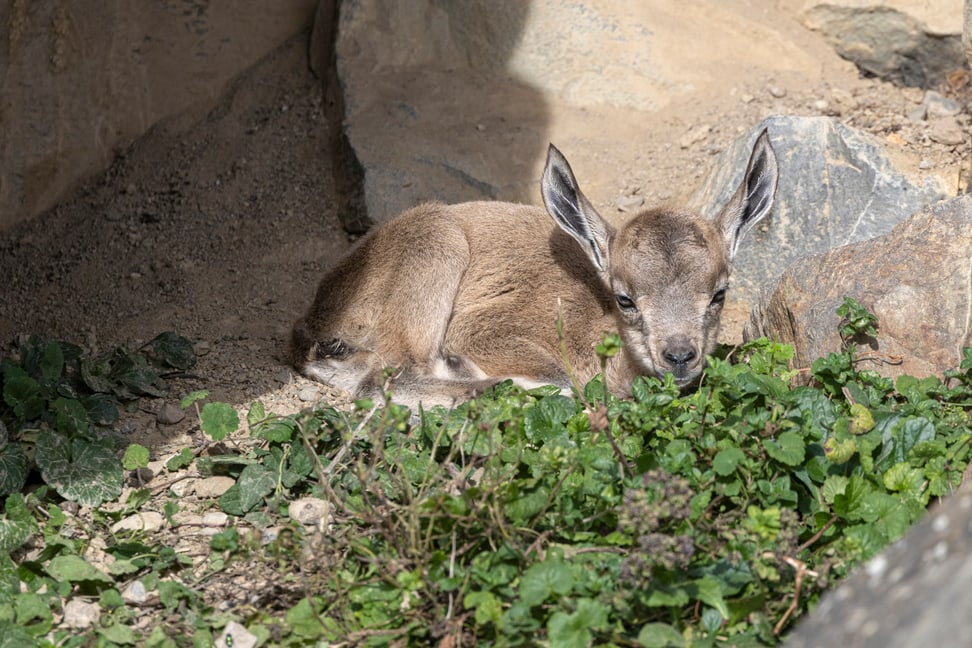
[[523, 517]]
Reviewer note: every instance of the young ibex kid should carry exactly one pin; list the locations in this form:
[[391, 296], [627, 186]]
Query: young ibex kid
[[457, 298]]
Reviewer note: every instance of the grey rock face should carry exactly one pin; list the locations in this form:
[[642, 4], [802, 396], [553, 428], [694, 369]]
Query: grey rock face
[[917, 280], [836, 187], [892, 42], [915, 593]]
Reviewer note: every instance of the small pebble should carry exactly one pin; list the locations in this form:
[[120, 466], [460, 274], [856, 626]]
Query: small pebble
[[938, 105], [135, 593], [213, 486], [308, 395], [170, 414], [747, 98], [821, 105], [309, 510], [215, 519], [80, 614], [946, 130], [629, 203], [201, 348], [926, 164], [776, 91], [694, 136], [145, 521], [235, 635], [283, 377]]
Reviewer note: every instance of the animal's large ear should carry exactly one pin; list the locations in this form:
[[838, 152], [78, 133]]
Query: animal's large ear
[[754, 197], [572, 211]]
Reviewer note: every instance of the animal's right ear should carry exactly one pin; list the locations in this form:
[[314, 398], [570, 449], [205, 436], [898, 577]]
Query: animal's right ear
[[572, 211]]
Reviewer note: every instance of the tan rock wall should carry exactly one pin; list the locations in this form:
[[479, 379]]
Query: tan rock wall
[[80, 80]]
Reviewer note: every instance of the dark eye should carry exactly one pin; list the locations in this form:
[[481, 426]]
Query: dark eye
[[718, 297], [625, 302]]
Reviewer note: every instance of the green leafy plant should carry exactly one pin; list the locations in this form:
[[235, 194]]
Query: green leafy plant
[[716, 517], [58, 408]]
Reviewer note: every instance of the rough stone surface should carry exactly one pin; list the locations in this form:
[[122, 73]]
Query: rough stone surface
[[81, 614], [309, 510], [213, 486], [908, 42], [148, 521], [837, 186], [914, 593], [81, 80], [457, 101], [917, 280]]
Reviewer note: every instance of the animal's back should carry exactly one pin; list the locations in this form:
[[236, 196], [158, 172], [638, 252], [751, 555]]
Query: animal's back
[[523, 274]]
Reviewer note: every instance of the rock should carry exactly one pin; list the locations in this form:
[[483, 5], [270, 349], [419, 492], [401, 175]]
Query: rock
[[135, 593], [147, 521], [457, 101], [81, 614], [937, 105], [81, 82], [213, 486], [629, 203], [836, 187], [914, 593], [309, 510], [170, 414], [214, 519], [909, 43], [235, 635], [946, 130], [308, 395], [915, 279]]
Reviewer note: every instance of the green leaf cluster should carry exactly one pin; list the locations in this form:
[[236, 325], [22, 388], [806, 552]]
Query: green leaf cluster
[[58, 407]]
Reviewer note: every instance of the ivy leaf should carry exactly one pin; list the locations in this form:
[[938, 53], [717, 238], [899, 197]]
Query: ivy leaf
[[850, 504], [833, 486], [173, 350], [256, 482], [788, 448], [256, 413], [17, 524], [136, 456], [70, 416], [82, 471], [22, 393], [52, 361], [725, 461], [551, 578], [218, 420], [660, 635], [181, 460], [14, 466], [574, 629], [74, 569]]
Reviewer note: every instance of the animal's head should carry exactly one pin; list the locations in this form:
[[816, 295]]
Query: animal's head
[[668, 270]]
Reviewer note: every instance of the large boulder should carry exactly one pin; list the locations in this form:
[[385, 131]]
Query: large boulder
[[917, 280], [915, 43], [915, 593], [82, 80], [457, 100], [837, 186]]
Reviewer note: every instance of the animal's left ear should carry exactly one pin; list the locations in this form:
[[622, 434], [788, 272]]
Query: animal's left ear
[[754, 197]]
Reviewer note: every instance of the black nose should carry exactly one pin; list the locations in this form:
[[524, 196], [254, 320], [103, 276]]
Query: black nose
[[680, 354]]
